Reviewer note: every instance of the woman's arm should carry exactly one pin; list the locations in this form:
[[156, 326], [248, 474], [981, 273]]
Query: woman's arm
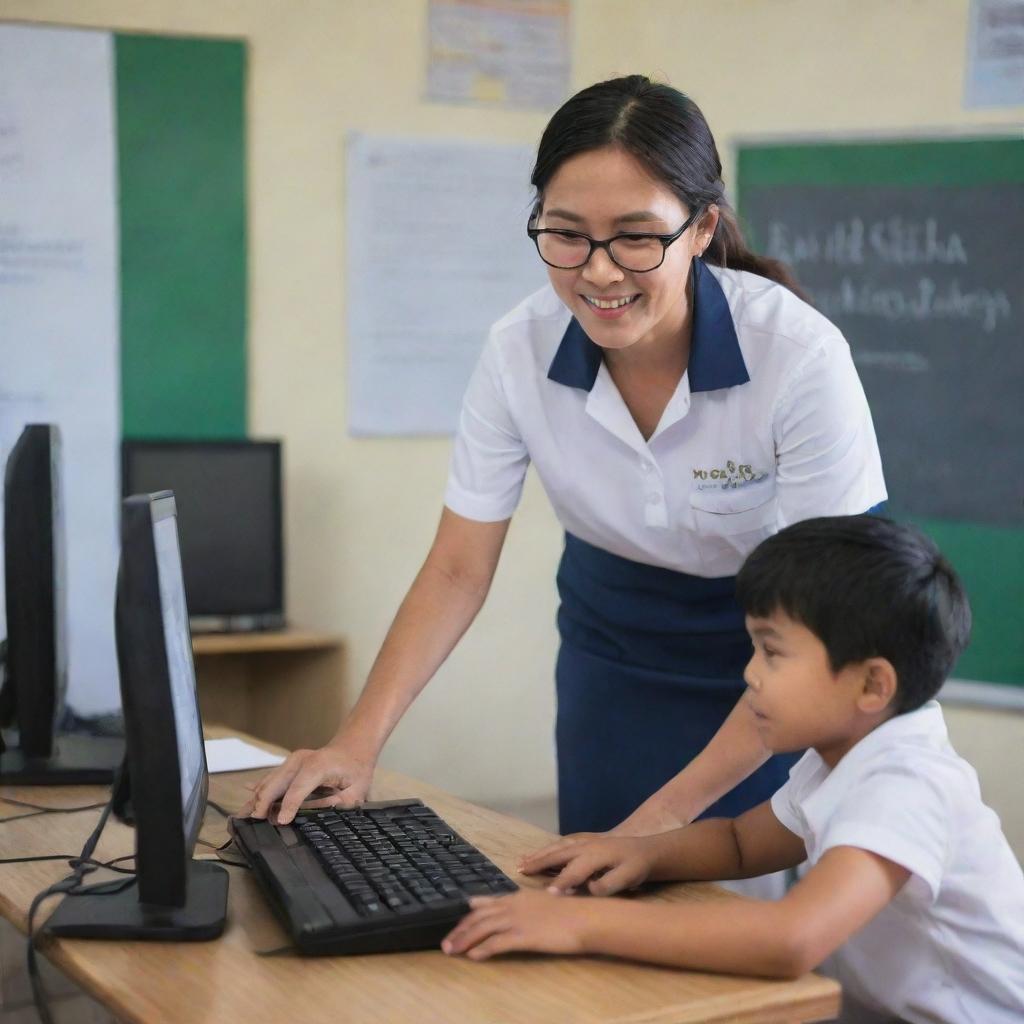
[[440, 605], [734, 752]]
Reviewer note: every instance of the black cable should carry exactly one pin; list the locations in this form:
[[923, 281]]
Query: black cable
[[217, 807], [74, 860], [41, 809], [214, 846], [234, 863], [71, 886], [81, 865], [28, 860], [18, 817], [223, 846]]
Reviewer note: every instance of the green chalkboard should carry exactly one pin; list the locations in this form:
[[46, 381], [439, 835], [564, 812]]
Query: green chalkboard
[[913, 249], [181, 176]]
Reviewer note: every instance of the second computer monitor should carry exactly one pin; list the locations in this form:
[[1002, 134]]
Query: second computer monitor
[[229, 513]]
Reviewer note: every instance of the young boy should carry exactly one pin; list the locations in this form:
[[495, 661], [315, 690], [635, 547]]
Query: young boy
[[912, 890]]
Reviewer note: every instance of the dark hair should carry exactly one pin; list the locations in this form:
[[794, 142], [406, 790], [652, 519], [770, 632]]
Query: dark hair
[[666, 132], [866, 587]]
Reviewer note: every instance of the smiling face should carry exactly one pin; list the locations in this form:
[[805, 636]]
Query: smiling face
[[797, 699], [606, 192]]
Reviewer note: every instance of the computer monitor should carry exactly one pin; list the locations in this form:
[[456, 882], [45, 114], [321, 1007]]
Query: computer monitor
[[163, 785], [37, 646], [229, 511]]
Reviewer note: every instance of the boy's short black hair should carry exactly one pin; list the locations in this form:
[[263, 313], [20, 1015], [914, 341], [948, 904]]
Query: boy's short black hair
[[866, 587]]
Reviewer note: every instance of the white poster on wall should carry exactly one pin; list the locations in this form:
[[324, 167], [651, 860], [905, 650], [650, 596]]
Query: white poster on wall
[[436, 252], [510, 53], [59, 352], [995, 54]]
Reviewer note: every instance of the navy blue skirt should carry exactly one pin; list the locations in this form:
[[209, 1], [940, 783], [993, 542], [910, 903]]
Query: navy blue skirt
[[650, 665]]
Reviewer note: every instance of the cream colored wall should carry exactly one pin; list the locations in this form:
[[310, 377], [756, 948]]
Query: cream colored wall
[[360, 514]]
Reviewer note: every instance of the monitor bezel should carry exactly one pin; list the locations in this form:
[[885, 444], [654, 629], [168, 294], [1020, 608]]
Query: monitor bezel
[[133, 446], [163, 843]]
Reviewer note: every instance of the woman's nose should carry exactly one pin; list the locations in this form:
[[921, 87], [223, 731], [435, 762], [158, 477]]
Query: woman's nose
[[600, 270]]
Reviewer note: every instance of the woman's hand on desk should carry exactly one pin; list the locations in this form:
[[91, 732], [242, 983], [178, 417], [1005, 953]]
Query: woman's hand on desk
[[604, 864], [345, 777]]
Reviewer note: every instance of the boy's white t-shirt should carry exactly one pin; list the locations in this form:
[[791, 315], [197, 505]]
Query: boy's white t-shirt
[[949, 949]]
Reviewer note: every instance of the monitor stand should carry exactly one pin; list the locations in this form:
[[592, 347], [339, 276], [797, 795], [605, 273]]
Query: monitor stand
[[77, 760], [108, 911]]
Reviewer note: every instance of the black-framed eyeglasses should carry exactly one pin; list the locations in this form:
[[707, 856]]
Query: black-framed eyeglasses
[[637, 252]]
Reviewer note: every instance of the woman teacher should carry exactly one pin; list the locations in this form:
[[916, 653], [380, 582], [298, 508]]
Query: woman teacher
[[680, 402]]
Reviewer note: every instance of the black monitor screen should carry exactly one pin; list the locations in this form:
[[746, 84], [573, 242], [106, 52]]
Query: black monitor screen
[[229, 519], [178, 645], [36, 586]]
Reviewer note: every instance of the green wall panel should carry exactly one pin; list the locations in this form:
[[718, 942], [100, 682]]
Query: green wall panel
[[181, 170], [990, 561]]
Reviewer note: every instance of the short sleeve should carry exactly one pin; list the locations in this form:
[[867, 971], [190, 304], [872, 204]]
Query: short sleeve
[[786, 798], [489, 459], [826, 451], [783, 809], [900, 813]]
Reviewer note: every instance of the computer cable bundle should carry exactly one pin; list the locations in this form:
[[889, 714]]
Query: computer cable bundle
[[81, 865], [71, 885]]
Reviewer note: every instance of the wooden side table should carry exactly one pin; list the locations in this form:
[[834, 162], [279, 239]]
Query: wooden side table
[[286, 686]]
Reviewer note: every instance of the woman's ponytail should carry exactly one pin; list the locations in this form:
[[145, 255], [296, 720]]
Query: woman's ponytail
[[728, 248]]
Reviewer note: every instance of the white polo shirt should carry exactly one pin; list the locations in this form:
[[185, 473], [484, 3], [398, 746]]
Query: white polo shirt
[[949, 949], [769, 425]]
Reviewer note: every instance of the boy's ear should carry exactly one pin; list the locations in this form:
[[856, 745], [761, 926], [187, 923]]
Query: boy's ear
[[879, 686]]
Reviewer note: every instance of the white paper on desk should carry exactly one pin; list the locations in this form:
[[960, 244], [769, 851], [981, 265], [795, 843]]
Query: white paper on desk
[[234, 755]]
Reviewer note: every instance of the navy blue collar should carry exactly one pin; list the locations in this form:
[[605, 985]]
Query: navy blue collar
[[715, 357]]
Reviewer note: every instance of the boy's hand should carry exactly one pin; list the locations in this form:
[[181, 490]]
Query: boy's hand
[[526, 920], [605, 865], [563, 843]]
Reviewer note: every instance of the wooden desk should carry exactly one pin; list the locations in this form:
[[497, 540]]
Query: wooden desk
[[226, 981], [285, 686]]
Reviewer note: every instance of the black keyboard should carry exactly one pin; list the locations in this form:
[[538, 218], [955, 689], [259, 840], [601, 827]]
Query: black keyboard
[[390, 876]]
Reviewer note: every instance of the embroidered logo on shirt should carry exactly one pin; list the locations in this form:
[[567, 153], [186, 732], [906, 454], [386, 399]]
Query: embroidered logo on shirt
[[733, 475]]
